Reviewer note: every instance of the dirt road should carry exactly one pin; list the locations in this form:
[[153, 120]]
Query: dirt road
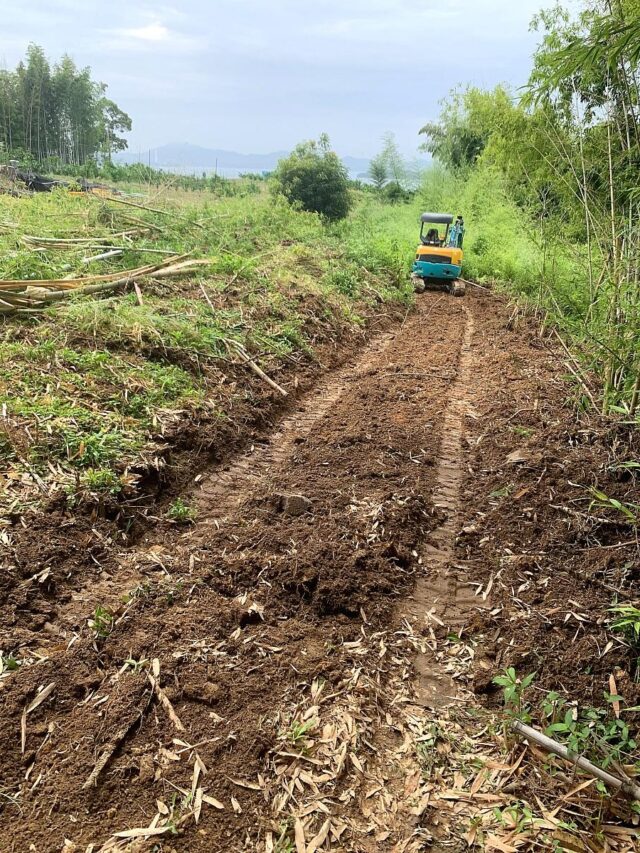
[[308, 666]]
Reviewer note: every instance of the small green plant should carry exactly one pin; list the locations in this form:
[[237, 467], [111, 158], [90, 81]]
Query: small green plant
[[524, 432], [593, 731], [553, 707], [574, 733], [517, 816], [503, 492], [284, 843], [181, 512], [134, 665], [140, 591], [344, 279], [297, 731], [426, 749], [177, 807], [513, 690], [631, 512], [172, 591], [627, 621], [102, 622], [632, 465], [9, 663], [102, 481]]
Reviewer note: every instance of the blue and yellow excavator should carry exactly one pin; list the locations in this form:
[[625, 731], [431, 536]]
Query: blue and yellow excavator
[[438, 262]]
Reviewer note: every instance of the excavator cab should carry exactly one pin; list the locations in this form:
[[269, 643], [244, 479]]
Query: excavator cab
[[438, 261]]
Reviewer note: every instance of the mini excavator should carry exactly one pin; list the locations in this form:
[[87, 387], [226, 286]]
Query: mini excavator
[[438, 262]]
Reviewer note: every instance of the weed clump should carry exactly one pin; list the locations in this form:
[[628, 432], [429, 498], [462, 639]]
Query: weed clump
[[181, 512]]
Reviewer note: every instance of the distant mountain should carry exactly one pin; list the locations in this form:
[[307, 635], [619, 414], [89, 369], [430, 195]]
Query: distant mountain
[[186, 158]]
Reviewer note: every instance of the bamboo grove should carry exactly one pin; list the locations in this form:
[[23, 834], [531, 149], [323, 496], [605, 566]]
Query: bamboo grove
[[57, 113], [565, 153]]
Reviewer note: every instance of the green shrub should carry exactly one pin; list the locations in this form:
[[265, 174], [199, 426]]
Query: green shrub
[[314, 178]]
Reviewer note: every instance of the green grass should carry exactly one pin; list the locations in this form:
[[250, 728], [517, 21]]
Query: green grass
[[502, 244], [542, 265], [89, 387]]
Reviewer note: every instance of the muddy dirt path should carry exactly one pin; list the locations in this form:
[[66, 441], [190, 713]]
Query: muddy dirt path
[[216, 495], [268, 679]]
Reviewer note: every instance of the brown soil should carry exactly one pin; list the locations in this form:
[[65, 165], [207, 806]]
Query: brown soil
[[445, 459]]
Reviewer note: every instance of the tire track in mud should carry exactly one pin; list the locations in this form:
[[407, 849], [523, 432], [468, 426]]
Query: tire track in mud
[[440, 595], [382, 749], [439, 598], [371, 466], [221, 492]]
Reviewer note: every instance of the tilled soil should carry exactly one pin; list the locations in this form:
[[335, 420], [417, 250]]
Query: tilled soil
[[237, 689]]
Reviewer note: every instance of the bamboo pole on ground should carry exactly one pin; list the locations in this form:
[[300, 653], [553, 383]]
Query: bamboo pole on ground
[[627, 786]]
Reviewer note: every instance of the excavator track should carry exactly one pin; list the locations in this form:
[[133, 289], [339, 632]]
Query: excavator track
[[455, 288]]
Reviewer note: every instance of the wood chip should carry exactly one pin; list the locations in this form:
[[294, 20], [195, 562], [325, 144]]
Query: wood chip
[[320, 838], [211, 801], [35, 703], [301, 842], [143, 832]]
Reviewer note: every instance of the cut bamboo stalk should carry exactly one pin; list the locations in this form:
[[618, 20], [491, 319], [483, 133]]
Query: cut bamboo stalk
[[113, 745], [81, 281], [68, 242], [112, 253], [166, 704], [171, 213], [159, 270], [257, 370], [626, 786], [474, 284]]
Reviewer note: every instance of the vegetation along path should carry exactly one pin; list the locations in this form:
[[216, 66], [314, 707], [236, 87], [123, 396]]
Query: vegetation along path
[[309, 666]]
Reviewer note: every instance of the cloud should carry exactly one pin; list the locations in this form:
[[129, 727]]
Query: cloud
[[152, 32], [227, 71], [152, 36]]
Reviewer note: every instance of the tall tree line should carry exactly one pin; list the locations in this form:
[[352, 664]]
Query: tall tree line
[[569, 155], [58, 112]]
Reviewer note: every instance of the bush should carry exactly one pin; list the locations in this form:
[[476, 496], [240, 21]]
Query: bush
[[314, 178], [395, 194]]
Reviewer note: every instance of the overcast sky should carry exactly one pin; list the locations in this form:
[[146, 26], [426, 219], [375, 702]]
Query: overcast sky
[[260, 75]]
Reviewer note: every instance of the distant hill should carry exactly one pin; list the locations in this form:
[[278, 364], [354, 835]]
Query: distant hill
[[187, 158]]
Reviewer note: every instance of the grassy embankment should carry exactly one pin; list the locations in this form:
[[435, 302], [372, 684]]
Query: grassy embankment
[[93, 388]]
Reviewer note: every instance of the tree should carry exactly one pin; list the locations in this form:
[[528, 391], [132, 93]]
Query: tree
[[394, 161], [465, 126], [378, 171], [315, 178], [112, 122], [567, 154], [389, 171], [57, 112]]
